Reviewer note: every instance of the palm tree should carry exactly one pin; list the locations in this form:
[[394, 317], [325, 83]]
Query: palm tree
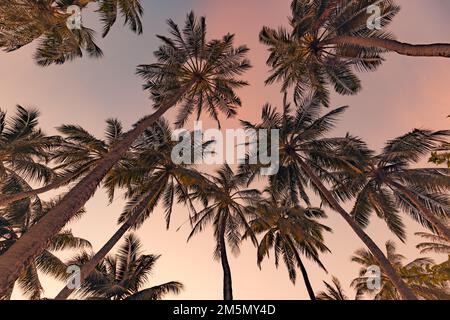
[[224, 200], [24, 153], [15, 221], [123, 276], [290, 230], [427, 280], [433, 243], [307, 158], [24, 147], [190, 71], [151, 178], [45, 22], [385, 182], [333, 291], [75, 153], [328, 39]]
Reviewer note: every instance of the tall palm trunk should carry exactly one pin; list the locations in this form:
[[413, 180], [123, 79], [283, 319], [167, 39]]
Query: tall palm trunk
[[305, 276], [431, 217], [8, 199], [89, 266], [407, 49], [13, 261], [405, 292], [227, 281]]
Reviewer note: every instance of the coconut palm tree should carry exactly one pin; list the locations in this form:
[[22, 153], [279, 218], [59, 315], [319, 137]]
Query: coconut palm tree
[[124, 275], [333, 291], [24, 147], [308, 158], [329, 39], [291, 231], [428, 280], [433, 243], [224, 199], [387, 181], [151, 178], [75, 153], [190, 71], [15, 221], [24, 152], [46, 22]]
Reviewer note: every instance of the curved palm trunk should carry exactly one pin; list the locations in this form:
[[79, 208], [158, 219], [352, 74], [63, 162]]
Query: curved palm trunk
[[430, 216], [305, 276], [88, 267], [227, 280], [13, 261], [416, 50], [8, 199], [400, 285]]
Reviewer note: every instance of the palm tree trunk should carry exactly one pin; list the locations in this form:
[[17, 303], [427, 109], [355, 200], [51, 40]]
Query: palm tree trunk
[[305, 276], [88, 267], [227, 280], [430, 216], [8, 199], [416, 50], [13, 261], [405, 292]]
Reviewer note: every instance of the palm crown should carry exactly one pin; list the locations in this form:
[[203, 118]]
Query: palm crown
[[291, 231], [124, 275], [225, 197], [426, 279], [152, 178], [24, 149], [302, 57], [329, 40], [203, 71], [79, 150], [387, 182], [302, 132], [23, 22]]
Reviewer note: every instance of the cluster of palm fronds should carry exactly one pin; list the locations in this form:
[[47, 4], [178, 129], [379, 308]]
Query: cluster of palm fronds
[[45, 21], [428, 280], [327, 42]]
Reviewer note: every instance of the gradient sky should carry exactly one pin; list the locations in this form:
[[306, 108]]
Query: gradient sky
[[405, 93]]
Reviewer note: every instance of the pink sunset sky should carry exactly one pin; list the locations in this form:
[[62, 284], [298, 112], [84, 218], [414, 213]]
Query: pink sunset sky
[[405, 93]]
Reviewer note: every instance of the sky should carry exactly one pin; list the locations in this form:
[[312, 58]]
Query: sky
[[405, 93]]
